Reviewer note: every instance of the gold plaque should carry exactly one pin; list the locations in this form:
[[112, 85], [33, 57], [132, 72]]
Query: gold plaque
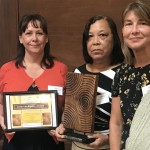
[[30, 110]]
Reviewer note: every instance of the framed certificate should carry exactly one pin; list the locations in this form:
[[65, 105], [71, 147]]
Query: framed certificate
[[30, 110]]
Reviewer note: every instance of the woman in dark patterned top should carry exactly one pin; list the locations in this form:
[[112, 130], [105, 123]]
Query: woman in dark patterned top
[[102, 54], [133, 79]]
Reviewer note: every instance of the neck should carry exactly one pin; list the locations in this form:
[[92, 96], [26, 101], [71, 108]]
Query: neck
[[142, 58], [33, 59], [98, 67]]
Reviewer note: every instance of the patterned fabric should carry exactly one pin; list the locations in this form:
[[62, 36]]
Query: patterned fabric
[[103, 99], [127, 84]]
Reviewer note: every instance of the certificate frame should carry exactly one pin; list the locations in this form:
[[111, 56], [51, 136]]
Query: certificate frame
[[30, 110]]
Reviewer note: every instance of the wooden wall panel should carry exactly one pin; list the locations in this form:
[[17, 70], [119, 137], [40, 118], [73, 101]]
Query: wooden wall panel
[[8, 29], [66, 20]]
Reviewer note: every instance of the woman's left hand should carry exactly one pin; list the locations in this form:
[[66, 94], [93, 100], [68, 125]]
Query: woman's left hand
[[100, 140]]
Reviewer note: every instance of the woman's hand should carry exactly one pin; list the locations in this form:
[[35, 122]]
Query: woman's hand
[[2, 122], [100, 141], [59, 133], [1, 113]]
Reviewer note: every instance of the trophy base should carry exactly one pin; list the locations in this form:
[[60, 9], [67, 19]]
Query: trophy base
[[82, 138]]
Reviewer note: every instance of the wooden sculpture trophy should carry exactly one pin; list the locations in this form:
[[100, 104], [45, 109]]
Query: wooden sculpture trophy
[[80, 102]]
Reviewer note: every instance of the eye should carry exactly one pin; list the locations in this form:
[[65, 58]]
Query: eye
[[127, 24], [28, 33], [103, 36], [90, 35], [40, 33], [144, 23]]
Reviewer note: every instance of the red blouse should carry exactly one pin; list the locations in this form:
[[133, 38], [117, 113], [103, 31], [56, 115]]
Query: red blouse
[[14, 79]]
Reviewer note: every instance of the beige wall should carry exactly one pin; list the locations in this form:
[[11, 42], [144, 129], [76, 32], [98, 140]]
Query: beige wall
[[66, 20]]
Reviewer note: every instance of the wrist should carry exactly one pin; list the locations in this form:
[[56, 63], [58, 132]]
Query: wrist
[[107, 139]]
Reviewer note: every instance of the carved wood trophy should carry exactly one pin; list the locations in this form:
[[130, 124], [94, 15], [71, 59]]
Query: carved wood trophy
[[80, 102]]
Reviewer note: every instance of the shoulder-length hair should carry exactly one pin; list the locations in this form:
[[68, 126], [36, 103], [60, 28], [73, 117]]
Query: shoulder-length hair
[[117, 55], [142, 10], [47, 60]]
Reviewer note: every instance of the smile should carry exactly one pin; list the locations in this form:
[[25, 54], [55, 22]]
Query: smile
[[34, 45], [135, 38]]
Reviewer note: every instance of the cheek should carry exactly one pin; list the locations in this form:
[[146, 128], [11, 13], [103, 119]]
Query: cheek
[[24, 41], [125, 33], [89, 44], [147, 34], [108, 45], [109, 49], [44, 41], [124, 36]]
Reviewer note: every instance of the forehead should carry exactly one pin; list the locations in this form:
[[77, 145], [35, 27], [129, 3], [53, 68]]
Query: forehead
[[100, 25], [131, 15], [33, 24]]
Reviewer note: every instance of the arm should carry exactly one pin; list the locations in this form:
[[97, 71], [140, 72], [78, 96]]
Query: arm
[[115, 125], [1, 112]]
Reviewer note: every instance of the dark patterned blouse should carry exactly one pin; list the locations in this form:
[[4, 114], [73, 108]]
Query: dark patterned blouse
[[127, 84]]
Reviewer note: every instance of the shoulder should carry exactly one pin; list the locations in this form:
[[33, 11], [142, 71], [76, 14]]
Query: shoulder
[[59, 66], [122, 68], [80, 69], [8, 66]]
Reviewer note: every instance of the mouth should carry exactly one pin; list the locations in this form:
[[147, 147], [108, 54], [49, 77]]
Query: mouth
[[34, 45], [135, 38], [97, 50]]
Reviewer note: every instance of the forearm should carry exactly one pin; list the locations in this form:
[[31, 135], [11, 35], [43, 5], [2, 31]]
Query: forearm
[[1, 110], [115, 137], [115, 125], [62, 117], [1, 105]]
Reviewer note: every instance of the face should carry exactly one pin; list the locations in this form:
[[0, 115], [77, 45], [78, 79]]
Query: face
[[100, 42], [33, 39], [136, 32]]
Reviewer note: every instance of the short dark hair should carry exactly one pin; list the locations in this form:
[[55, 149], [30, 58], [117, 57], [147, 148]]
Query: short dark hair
[[47, 60], [117, 55]]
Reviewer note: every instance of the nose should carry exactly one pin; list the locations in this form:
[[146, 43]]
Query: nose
[[135, 29], [34, 37], [96, 40]]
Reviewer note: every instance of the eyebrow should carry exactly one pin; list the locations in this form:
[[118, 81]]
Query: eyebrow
[[127, 20], [140, 19], [100, 31], [38, 29]]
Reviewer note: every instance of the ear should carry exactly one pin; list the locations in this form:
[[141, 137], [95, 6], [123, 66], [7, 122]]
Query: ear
[[46, 39], [122, 29], [20, 39]]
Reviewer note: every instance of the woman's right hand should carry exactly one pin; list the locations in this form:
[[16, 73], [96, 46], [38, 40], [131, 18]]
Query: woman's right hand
[[59, 133], [2, 122], [2, 112]]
